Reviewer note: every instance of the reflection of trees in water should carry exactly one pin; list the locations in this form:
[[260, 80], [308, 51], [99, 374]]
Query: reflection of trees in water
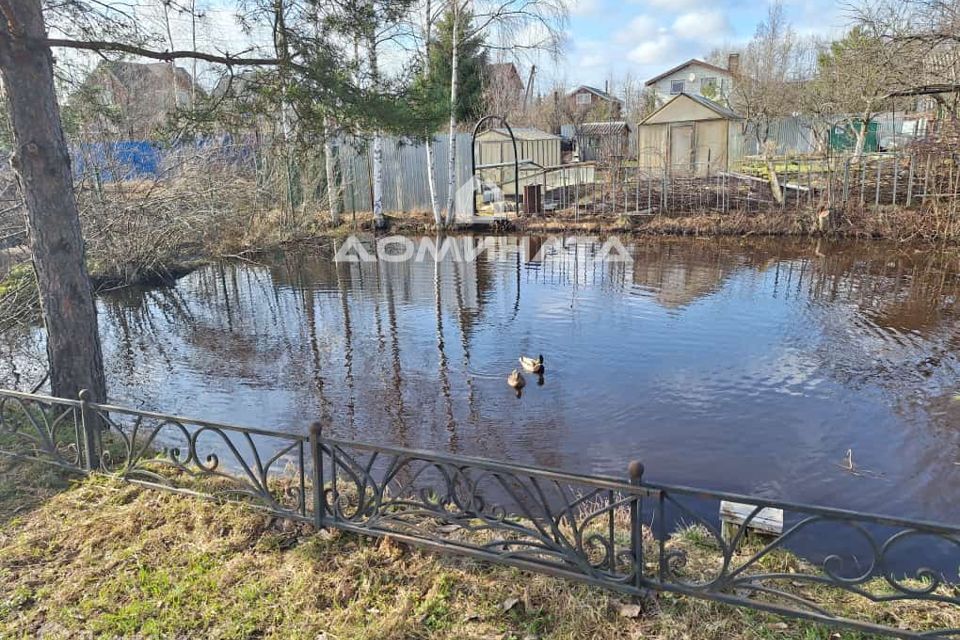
[[442, 367], [347, 350], [399, 418], [343, 339], [23, 359]]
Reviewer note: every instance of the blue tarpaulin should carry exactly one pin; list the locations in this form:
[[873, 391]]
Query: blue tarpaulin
[[117, 161], [139, 159]]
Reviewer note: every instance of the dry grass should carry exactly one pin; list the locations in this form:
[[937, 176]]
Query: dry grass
[[891, 223], [106, 559]]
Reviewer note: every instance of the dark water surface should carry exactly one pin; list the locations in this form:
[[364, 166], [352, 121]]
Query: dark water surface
[[751, 366]]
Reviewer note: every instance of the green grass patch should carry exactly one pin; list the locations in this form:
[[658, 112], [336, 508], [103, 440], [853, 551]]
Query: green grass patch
[[104, 559]]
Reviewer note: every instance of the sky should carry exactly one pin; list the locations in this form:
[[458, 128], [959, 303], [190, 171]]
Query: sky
[[611, 38], [604, 40]]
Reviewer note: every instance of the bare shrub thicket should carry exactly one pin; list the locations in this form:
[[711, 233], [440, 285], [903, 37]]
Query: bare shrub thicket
[[203, 201]]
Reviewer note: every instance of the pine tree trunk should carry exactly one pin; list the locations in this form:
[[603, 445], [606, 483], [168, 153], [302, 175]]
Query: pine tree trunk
[[42, 164], [454, 81], [431, 166]]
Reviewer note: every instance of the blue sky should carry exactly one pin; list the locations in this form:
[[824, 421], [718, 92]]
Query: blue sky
[[606, 39], [610, 38]]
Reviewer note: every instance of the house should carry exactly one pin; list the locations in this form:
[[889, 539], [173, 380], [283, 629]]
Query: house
[[696, 77], [689, 136], [139, 97], [603, 141], [586, 102], [503, 88]]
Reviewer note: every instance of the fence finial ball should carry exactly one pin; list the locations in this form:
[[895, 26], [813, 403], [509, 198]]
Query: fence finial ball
[[316, 429], [635, 468]]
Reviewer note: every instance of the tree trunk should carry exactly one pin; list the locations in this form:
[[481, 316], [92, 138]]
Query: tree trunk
[[775, 190], [378, 219], [861, 132], [377, 203], [333, 196], [432, 183], [42, 164], [454, 81], [431, 167]]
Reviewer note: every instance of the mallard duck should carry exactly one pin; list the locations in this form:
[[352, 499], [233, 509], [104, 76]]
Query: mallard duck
[[532, 365], [516, 381]]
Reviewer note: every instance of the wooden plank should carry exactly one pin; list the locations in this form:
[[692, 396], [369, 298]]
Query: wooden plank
[[768, 520]]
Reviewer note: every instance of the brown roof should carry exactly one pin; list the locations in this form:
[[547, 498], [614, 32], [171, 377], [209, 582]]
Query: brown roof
[[689, 62], [603, 95], [603, 128]]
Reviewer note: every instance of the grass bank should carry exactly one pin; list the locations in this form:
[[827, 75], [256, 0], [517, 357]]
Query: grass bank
[[98, 558]]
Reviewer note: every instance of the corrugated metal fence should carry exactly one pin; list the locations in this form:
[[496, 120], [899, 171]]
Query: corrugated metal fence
[[405, 186], [796, 135]]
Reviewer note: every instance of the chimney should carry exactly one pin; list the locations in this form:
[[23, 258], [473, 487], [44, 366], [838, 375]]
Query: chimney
[[606, 86], [733, 63]]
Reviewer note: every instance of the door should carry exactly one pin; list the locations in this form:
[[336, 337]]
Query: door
[[681, 149]]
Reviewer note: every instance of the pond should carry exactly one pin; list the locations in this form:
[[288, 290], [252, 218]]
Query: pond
[[755, 366]]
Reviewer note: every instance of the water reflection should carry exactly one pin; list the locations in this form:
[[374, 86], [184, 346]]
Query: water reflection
[[742, 365]]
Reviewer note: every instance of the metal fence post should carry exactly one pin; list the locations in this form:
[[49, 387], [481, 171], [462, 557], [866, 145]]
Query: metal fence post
[[635, 469], [316, 431], [91, 432]]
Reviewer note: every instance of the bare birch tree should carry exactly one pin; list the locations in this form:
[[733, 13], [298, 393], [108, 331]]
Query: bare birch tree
[[429, 19], [458, 8]]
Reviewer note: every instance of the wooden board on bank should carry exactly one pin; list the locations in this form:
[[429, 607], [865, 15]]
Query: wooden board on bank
[[768, 521]]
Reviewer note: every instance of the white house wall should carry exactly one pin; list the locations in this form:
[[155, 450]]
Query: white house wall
[[724, 81]]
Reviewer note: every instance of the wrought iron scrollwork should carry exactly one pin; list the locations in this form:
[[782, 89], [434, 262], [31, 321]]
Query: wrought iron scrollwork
[[575, 525], [263, 468], [736, 569], [42, 428]]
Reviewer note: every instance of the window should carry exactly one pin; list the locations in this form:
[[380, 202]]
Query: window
[[583, 98], [708, 86], [676, 86]]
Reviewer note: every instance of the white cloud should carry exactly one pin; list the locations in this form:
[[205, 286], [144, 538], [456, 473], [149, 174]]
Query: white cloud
[[642, 27], [675, 6], [708, 26], [584, 7], [654, 51]]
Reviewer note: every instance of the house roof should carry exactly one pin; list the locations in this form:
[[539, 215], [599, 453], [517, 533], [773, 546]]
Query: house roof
[[603, 95], [132, 73], [679, 67], [722, 111], [726, 112], [503, 67], [236, 84], [603, 128]]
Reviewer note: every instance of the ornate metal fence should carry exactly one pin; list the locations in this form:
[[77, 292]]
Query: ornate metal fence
[[834, 566], [636, 537], [264, 468], [855, 563]]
